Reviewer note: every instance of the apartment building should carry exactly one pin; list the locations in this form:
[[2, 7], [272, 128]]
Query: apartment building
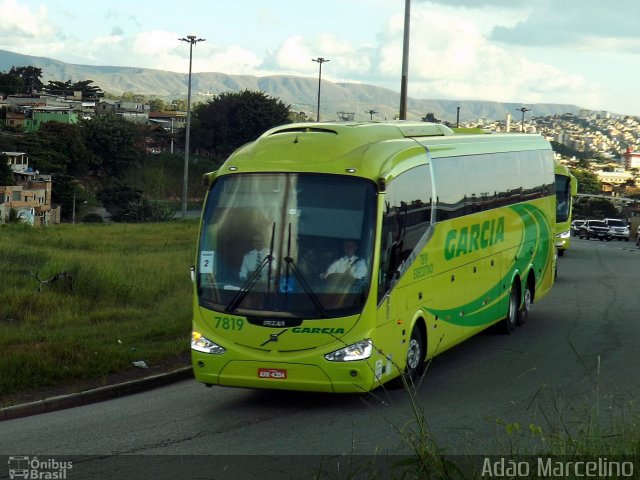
[[30, 198]]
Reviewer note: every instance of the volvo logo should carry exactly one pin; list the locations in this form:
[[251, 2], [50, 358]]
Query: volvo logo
[[273, 337]]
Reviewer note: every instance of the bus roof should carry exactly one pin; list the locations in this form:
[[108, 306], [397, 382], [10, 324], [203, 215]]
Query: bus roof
[[365, 149]]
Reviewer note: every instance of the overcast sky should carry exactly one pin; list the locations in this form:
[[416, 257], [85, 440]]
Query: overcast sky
[[582, 52]]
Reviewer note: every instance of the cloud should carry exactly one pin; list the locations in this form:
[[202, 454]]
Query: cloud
[[575, 23], [492, 50], [161, 50], [484, 3], [20, 26], [295, 54], [580, 24], [453, 58]]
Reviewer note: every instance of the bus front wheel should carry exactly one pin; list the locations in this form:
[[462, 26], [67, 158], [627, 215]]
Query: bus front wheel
[[415, 353], [415, 361], [415, 358]]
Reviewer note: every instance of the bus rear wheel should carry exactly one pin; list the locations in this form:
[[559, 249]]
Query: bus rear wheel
[[527, 300], [510, 322]]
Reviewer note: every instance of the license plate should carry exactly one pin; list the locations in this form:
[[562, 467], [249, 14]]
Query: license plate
[[273, 373]]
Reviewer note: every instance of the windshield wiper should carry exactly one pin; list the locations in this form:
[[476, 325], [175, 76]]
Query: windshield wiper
[[305, 286], [250, 282]]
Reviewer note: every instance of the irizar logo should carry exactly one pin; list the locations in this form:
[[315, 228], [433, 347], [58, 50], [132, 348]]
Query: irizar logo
[[477, 236]]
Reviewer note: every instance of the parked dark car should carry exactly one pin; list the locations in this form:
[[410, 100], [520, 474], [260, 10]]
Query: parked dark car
[[595, 229], [575, 227]]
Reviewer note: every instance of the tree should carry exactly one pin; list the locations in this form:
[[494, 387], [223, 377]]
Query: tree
[[568, 152], [157, 105], [587, 182], [88, 91], [30, 76], [6, 175], [59, 147], [300, 117], [112, 140], [597, 208], [10, 84], [58, 87], [117, 198], [179, 105], [232, 119], [633, 192]]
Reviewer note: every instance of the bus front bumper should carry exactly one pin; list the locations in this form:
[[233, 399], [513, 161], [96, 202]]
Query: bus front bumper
[[351, 377]]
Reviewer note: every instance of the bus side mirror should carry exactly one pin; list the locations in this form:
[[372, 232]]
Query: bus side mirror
[[207, 178]]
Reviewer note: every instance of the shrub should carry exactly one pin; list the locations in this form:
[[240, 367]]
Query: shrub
[[92, 218]]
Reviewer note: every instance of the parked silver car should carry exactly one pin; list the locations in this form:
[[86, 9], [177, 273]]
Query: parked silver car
[[619, 228]]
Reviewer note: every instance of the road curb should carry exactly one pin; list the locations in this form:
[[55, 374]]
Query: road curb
[[95, 395]]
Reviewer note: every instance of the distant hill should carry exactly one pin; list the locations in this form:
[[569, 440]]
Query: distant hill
[[299, 92]]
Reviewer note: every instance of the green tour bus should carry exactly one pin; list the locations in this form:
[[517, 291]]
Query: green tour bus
[[566, 189], [335, 257]]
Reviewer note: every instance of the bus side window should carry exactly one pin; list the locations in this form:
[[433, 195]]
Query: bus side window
[[406, 219], [386, 271]]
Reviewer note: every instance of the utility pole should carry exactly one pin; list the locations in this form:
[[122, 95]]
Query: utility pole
[[191, 40], [405, 61], [458, 117], [320, 61]]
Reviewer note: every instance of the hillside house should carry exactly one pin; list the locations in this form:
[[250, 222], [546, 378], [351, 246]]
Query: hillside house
[[132, 111], [31, 197], [631, 159], [30, 118], [170, 120]]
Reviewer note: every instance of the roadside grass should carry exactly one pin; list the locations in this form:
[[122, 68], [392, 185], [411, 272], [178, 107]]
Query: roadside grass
[[560, 431], [125, 297]]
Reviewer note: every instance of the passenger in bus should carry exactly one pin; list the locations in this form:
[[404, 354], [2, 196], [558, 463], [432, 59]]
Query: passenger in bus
[[350, 263], [254, 258]]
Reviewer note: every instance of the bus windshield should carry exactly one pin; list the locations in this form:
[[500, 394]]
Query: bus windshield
[[289, 245]]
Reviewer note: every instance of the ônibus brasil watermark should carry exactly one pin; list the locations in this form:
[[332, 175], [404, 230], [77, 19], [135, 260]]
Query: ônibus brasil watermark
[[33, 468]]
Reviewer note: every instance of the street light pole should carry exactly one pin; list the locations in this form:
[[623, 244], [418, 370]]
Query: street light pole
[[191, 40], [522, 109], [405, 61], [320, 61]]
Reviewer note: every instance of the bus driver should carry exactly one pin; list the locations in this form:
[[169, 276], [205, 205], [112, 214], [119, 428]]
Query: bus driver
[[349, 263]]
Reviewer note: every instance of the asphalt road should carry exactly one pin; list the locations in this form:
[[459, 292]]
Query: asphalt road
[[577, 350]]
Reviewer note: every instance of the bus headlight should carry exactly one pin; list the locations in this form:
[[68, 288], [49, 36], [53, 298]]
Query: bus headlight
[[358, 351], [204, 345], [566, 234]]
